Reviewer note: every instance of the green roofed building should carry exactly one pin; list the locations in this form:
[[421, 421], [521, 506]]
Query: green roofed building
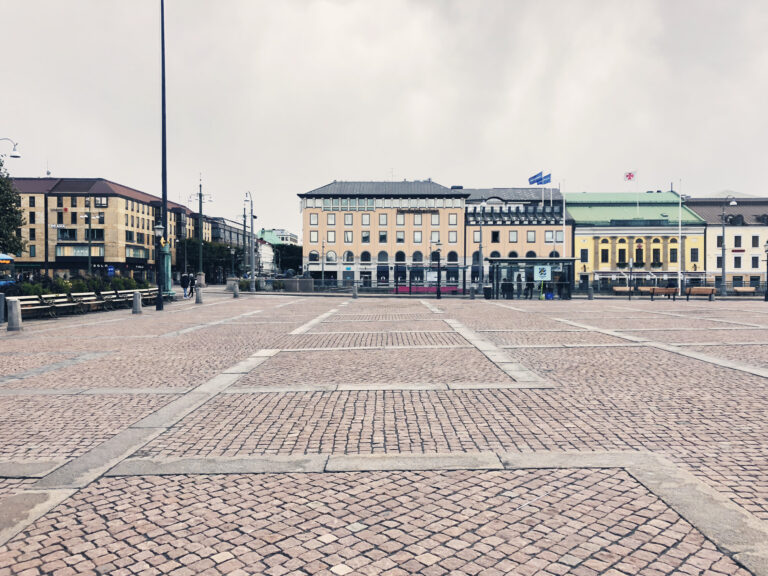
[[646, 238]]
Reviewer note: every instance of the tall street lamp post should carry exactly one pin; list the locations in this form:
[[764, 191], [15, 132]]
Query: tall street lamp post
[[89, 216], [729, 201], [158, 229], [252, 288], [438, 295], [232, 252], [766, 271]]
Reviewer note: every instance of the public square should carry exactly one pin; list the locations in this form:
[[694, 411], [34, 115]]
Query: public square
[[291, 434]]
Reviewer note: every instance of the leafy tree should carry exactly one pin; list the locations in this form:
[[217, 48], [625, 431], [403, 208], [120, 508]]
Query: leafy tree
[[288, 256], [11, 216]]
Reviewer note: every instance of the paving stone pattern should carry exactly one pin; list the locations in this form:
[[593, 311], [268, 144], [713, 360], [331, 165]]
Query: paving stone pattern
[[605, 392]]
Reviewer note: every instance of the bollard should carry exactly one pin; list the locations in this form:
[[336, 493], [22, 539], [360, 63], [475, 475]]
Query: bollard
[[471, 292], [236, 290], [136, 303], [198, 295], [14, 315], [590, 293], [354, 291], [2, 307]]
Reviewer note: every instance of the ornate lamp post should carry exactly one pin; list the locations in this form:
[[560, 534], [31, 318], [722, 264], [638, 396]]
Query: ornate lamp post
[[729, 201]]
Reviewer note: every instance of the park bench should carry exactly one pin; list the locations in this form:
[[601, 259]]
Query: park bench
[[148, 295], [662, 291], [117, 299], [645, 289], [621, 289], [88, 301], [740, 290], [34, 306], [700, 291], [60, 304]]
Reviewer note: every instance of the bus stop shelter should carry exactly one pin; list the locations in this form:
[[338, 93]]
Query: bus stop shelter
[[531, 278]]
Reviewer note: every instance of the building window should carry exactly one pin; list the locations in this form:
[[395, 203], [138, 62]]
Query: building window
[[531, 236], [453, 219], [32, 234], [400, 237], [32, 251], [417, 236], [559, 236], [347, 219], [400, 219], [604, 255], [383, 236], [366, 219], [494, 236], [348, 237], [639, 256], [66, 234], [331, 236], [313, 236], [417, 219], [73, 202], [365, 237], [60, 218], [31, 201], [382, 219], [694, 254], [549, 236], [330, 219], [656, 255], [435, 219], [73, 217], [476, 236], [32, 217], [622, 255], [434, 237], [719, 263], [513, 235], [96, 234], [719, 241], [101, 201], [737, 261], [126, 219], [453, 237], [59, 201], [584, 257], [755, 261], [313, 219], [737, 241], [673, 255], [755, 241]]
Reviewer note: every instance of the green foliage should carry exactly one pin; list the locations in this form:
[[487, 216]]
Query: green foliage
[[245, 285], [278, 285], [288, 257], [78, 285], [61, 286], [11, 216], [29, 289]]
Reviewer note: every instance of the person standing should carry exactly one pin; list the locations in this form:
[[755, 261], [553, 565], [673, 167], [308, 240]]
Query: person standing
[[185, 283], [192, 283]]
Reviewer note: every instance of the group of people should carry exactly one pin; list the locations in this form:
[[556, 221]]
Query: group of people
[[188, 284]]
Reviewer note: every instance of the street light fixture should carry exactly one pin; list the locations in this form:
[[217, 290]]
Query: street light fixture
[[730, 201], [252, 287], [159, 229], [15, 152], [232, 252], [438, 247], [89, 216]]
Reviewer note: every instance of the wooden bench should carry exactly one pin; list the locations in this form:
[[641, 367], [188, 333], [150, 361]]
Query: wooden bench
[[61, 303], [700, 291], [660, 291], [148, 295], [739, 290], [89, 301], [34, 306], [117, 299], [645, 289], [621, 289]]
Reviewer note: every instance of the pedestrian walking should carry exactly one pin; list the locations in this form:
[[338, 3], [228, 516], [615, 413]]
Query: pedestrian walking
[[185, 283], [192, 283], [519, 284]]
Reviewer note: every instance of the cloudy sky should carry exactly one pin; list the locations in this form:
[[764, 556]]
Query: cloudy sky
[[282, 96]]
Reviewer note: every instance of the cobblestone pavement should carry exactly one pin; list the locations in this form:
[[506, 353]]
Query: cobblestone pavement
[[273, 381]]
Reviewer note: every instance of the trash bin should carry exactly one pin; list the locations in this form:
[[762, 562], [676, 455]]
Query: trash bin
[[488, 292]]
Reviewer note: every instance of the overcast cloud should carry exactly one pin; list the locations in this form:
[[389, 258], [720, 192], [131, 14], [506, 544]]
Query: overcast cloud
[[280, 97]]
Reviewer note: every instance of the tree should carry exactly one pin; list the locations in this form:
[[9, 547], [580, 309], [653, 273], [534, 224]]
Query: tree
[[288, 256], [11, 216]]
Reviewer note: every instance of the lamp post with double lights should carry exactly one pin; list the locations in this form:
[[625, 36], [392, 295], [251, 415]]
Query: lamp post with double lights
[[15, 152], [232, 252], [680, 199], [438, 248], [252, 287], [729, 201], [766, 270], [159, 229], [89, 216]]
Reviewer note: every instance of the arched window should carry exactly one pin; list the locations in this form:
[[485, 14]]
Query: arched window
[[314, 256], [604, 241], [554, 254], [348, 256], [365, 256], [383, 256], [400, 256], [495, 254], [622, 241], [530, 254], [639, 241], [330, 256], [656, 241], [512, 254], [435, 256], [475, 257], [453, 256], [673, 240], [418, 256]]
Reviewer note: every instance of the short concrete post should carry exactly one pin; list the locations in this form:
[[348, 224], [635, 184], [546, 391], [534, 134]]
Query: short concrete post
[[198, 295], [14, 315], [136, 303], [590, 292], [471, 292], [354, 291], [2, 307], [236, 290]]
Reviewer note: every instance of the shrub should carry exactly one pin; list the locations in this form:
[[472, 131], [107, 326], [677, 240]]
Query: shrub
[[78, 285], [29, 289], [61, 286], [129, 283]]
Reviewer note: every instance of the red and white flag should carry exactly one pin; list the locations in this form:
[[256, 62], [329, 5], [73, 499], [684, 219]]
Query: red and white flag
[[629, 176]]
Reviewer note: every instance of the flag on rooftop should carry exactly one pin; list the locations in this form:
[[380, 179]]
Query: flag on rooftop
[[629, 176], [546, 179], [535, 179]]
